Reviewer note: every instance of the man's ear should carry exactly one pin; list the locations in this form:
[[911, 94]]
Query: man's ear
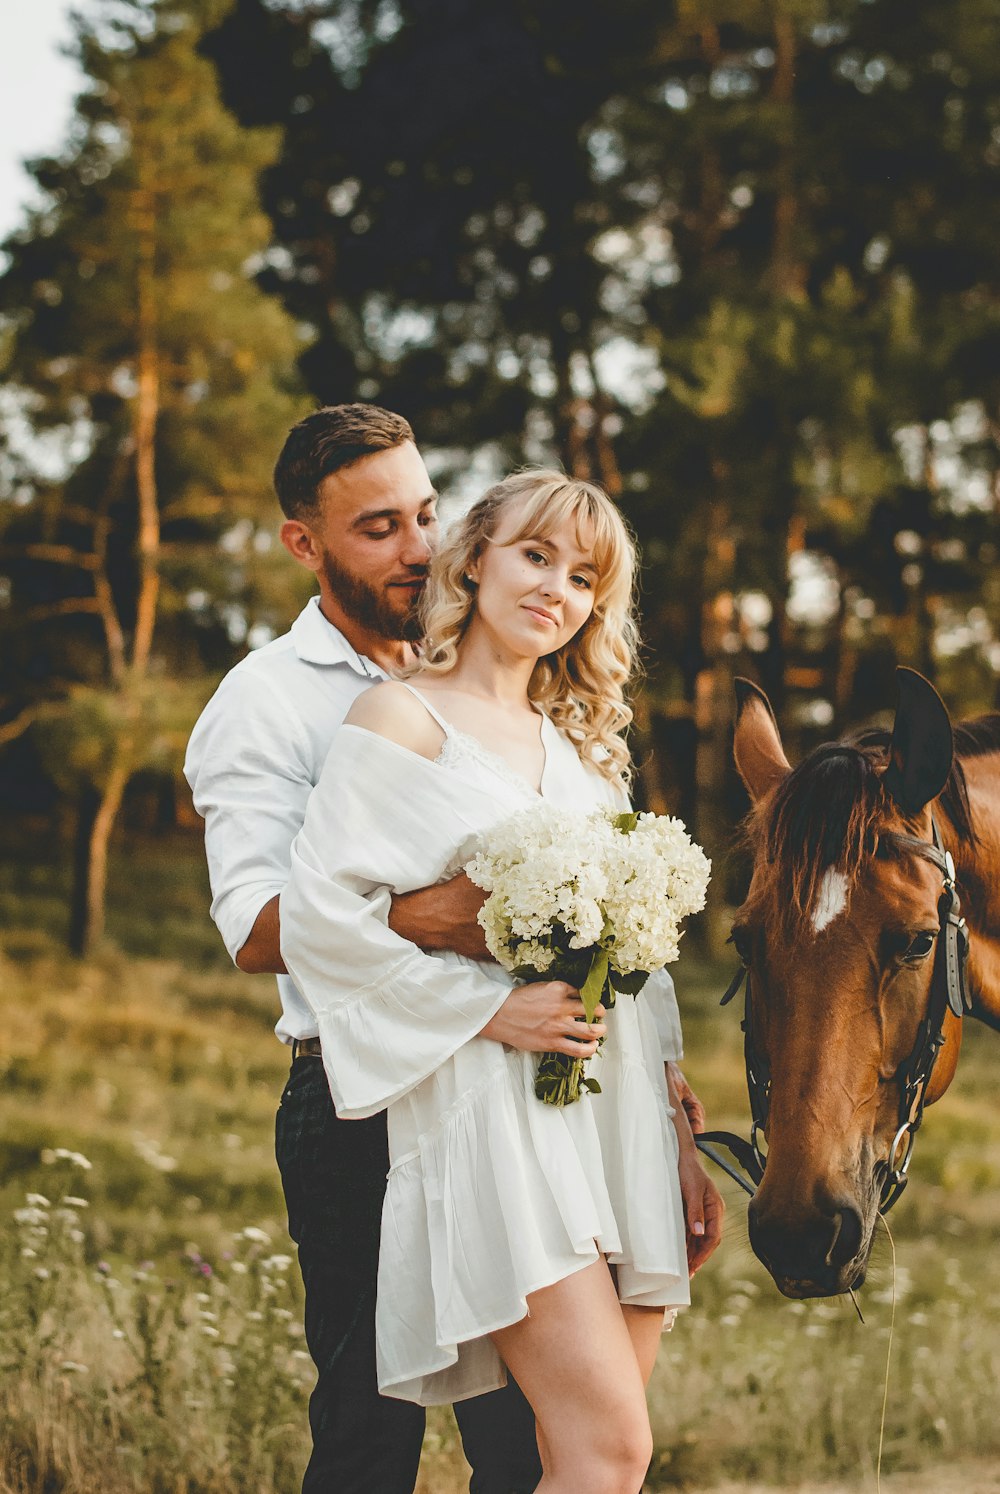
[[760, 757], [922, 746], [299, 541]]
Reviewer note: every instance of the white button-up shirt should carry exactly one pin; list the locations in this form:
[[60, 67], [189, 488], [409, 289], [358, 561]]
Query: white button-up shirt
[[253, 759]]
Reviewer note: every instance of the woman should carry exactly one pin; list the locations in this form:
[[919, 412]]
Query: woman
[[548, 1240]]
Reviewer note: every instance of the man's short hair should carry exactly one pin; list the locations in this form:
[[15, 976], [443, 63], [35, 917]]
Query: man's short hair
[[330, 438]]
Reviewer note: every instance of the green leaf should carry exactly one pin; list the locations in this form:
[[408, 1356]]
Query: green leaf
[[591, 1084], [626, 823], [631, 984], [593, 986]]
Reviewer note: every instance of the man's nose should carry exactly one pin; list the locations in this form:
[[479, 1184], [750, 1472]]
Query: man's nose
[[416, 548]]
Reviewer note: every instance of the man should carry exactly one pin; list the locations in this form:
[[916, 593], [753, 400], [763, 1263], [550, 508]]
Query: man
[[360, 513]]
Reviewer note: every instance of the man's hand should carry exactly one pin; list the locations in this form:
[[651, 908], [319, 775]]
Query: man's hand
[[704, 1208], [682, 1094], [546, 1017], [442, 917]]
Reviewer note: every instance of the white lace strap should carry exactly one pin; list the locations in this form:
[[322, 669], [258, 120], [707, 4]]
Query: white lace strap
[[445, 726]]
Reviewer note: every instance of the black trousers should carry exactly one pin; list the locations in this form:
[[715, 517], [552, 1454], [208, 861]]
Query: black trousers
[[333, 1173]]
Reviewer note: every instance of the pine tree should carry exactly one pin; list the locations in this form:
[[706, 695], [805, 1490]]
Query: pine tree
[[141, 352]]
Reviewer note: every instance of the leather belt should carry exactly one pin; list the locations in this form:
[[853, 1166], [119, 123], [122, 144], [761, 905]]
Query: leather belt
[[306, 1048]]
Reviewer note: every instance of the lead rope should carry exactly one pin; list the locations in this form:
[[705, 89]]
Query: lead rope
[[888, 1359]]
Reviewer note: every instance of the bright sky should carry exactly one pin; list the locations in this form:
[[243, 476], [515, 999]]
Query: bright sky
[[37, 86]]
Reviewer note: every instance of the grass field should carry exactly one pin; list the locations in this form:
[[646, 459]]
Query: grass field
[[151, 1341]]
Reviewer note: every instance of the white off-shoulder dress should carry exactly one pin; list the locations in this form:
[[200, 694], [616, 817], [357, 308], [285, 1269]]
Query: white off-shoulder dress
[[491, 1194]]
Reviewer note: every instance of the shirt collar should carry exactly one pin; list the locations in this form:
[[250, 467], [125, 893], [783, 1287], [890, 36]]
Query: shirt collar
[[317, 641]]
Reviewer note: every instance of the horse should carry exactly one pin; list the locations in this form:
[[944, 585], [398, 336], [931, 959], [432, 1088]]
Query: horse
[[854, 954]]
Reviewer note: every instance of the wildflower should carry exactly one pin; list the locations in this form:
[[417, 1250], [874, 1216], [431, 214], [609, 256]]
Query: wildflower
[[103, 1268], [37, 1200], [276, 1263], [29, 1254], [202, 1297], [73, 1367], [209, 1331], [255, 1236], [72, 1202], [61, 1154], [43, 1273], [240, 1268], [117, 1333], [205, 1269]]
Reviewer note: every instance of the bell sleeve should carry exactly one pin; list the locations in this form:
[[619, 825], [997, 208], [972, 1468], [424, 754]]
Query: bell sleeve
[[381, 820]]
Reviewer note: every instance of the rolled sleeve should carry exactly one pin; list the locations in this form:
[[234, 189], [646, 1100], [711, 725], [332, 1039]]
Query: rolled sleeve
[[249, 766]]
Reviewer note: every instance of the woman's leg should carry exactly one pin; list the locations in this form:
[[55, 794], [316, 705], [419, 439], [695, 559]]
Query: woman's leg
[[645, 1329], [574, 1359]]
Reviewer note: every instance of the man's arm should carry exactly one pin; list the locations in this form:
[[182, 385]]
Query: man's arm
[[261, 954], [536, 1019]]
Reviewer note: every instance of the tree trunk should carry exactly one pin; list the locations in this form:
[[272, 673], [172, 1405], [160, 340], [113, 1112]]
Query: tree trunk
[[96, 819]]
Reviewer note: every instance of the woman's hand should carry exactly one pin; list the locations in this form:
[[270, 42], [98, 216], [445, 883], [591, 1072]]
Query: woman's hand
[[546, 1017]]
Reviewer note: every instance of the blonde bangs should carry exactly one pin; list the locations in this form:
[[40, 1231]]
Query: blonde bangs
[[581, 686]]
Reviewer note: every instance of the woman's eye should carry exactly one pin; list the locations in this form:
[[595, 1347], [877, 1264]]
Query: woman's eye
[[536, 556], [583, 581]]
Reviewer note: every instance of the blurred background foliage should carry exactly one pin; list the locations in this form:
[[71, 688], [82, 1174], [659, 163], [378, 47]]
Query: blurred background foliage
[[737, 262]]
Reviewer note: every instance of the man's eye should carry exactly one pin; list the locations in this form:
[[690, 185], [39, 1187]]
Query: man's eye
[[427, 520], [378, 534]]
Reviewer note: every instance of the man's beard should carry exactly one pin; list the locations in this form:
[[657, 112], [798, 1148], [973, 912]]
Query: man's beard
[[370, 608]]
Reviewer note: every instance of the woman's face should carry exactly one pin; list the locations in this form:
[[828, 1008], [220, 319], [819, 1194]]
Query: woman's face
[[535, 594]]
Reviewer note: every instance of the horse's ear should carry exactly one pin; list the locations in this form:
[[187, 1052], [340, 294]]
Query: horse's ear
[[760, 757], [922, 746]]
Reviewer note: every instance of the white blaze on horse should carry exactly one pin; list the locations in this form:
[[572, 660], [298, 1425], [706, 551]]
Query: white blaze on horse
[[853, 946]]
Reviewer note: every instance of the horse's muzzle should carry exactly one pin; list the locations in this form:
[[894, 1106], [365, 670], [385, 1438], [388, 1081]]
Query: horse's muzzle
[[819, 1254]]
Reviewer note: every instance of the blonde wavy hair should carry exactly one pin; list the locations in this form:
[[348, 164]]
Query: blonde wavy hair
[[582, 685]]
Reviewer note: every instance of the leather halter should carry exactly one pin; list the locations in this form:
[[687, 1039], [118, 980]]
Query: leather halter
[[949, 992]]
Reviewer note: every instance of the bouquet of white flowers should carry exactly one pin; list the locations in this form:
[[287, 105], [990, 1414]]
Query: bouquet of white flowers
[[596, 900]]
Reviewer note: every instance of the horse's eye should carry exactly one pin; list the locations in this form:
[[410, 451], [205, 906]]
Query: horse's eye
[[920, 945], [742, 943]]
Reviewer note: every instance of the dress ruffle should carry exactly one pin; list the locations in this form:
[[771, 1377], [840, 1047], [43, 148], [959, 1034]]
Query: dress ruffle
[[504, 1196]]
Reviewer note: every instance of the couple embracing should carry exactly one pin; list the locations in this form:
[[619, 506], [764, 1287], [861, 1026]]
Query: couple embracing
[[459, 1241]]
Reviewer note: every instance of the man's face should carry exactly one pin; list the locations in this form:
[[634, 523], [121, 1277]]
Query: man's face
[[372, 537]]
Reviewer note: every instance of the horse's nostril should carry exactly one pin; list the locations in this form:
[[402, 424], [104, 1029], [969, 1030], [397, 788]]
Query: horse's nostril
[[848, 1232]]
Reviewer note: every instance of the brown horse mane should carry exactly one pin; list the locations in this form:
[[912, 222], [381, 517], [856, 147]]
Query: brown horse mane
[[832, 810]]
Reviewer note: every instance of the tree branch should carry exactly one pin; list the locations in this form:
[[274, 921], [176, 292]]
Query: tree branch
[[18, 725], [55, 554]]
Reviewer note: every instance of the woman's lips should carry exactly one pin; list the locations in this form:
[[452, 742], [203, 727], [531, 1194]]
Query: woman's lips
[[542, 615]]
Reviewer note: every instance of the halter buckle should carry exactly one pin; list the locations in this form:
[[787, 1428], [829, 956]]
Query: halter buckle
[[905, 1134]]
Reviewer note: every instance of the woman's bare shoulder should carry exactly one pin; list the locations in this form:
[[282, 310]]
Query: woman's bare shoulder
[[391, 711]]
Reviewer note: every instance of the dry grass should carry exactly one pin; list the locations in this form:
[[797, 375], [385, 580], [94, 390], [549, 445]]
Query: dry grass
[[164, 1073]]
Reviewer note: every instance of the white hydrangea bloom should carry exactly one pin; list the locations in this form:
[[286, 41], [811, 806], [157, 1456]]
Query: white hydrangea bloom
[[658, 878], [547, 869]]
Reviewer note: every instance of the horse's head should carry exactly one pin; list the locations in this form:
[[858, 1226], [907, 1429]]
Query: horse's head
[[839, 931]]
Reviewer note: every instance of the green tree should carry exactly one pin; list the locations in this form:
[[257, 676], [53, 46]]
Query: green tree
[[149, 383]]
